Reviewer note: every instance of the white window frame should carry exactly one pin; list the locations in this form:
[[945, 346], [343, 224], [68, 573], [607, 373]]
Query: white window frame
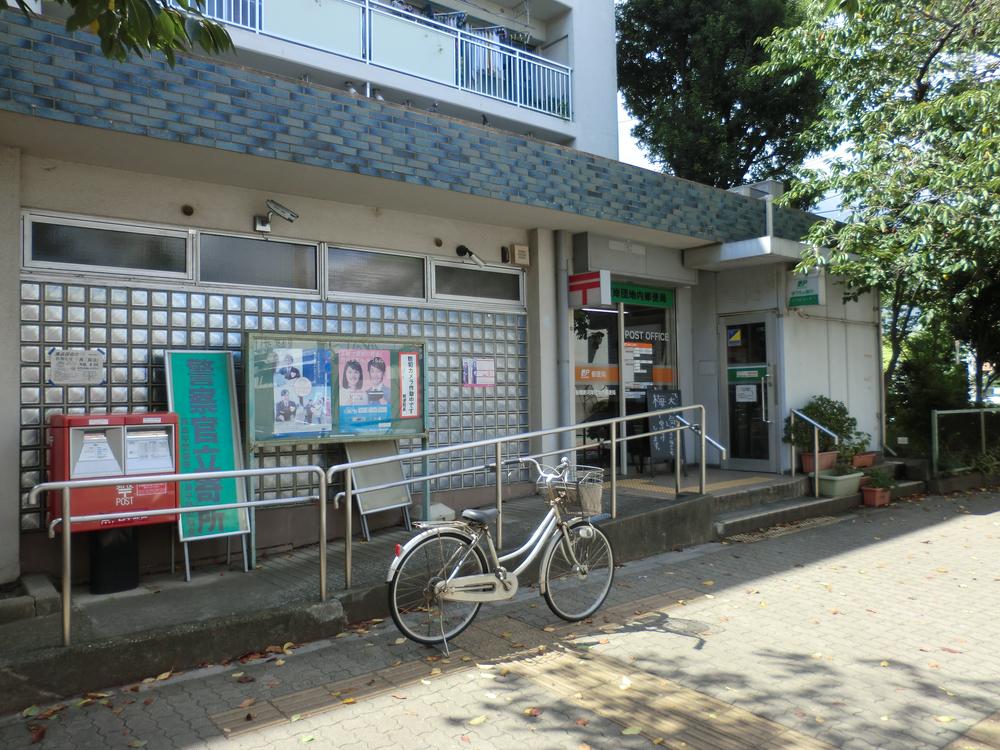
[[30, 218], [286, 290], [506, 304], [387, 298]]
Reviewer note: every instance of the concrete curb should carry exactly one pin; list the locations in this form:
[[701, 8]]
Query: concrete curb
[[47, 675]]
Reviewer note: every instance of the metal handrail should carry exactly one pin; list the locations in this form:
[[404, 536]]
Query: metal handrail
[[816, 430], [497, 443], [66, 487], [935, 444], [550, 80]]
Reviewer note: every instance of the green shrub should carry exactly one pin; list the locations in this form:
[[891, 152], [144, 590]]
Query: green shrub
[[833, 415]]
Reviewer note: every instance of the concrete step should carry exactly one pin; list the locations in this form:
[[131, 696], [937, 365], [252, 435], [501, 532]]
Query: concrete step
[[779, 512], [755, 497]]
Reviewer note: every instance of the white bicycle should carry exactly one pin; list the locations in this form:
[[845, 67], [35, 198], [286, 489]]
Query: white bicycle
[[441, 577]]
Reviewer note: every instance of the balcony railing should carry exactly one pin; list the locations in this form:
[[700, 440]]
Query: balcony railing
[[388, 37]]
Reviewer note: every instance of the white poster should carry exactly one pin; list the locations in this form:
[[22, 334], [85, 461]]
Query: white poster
[[76, 367], [746, 394], [480, 372], [409, 385]]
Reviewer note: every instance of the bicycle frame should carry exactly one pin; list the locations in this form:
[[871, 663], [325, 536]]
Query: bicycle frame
[[498, 584]]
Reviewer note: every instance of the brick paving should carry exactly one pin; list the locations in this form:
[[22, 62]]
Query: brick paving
[[877, 631]]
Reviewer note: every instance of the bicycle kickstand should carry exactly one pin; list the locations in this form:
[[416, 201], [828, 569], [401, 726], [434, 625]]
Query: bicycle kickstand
[[447, 651]]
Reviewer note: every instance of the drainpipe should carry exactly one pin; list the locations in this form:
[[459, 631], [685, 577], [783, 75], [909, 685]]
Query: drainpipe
[[563, 364], [769, 215]]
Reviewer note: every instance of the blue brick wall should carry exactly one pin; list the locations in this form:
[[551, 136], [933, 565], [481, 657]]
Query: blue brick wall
[[48, 73]]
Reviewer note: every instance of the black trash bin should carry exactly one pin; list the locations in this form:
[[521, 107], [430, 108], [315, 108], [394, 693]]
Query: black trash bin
[[114, 561]]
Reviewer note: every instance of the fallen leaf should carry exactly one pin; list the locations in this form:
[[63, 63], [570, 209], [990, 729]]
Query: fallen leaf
[[632, 730], [466, 658], [504, 671], [465, 738], [708, 583], [296, 717], [30, 711], [583, 746], [137, 743], [425, 682], [625, 683], [399, 697], [944, 719], [477, 721], [532, 712], [163, 675], [436, 671], [346, 701], [98, 696], [549, 629], [279, 662], [37, 733], [246, 678], [236, 674], [582, 722], [933, 665], [883, 663], [400, 661], [950, 650], [306, 739], [602, 640], [248, 702], [399, 641], [287, 648], [148, 702]]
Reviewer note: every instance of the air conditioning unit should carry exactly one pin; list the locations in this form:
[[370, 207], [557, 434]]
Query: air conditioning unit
[[518, 255]]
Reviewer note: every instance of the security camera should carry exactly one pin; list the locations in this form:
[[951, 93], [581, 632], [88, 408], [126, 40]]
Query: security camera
[[285, 213], [263, 223], [463, 252]]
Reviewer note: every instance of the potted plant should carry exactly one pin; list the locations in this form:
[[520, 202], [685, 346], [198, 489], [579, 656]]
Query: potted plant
[[844, 479], [831, 414], [864, 457], [877, 491]]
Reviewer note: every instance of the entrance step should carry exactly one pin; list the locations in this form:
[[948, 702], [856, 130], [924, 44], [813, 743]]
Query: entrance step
[[781, 511], [736, 499]]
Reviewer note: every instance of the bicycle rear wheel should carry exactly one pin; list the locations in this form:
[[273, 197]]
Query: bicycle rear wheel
[[574, 592], [417, 611]]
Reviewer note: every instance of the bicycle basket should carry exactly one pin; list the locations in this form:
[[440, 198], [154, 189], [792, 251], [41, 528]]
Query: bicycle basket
[[580, 493]]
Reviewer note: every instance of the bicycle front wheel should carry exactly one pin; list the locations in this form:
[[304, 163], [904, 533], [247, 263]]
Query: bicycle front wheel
[[577, 571], [416, 609]]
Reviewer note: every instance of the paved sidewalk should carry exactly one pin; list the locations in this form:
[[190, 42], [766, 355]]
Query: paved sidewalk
[[874, 630]]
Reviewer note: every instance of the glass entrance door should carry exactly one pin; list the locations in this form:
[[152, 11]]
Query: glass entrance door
[[748, 399]]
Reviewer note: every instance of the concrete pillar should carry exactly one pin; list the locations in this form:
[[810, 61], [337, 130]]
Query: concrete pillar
[[10, 337], [543, 390]]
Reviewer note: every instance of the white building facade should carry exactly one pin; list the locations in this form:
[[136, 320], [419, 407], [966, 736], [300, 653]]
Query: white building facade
[[397, 132]]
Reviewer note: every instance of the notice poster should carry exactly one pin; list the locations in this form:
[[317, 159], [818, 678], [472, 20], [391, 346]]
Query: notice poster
[[638, 364], [301, 383], [480, 372], [409, 385], [317, 389], [364, 391]]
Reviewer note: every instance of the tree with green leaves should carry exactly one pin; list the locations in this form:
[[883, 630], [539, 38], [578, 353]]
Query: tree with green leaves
[[684, 69], [142, 26], [912, 100]]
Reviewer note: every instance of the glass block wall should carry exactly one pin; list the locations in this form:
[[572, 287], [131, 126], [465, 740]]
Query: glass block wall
[[135, 325]]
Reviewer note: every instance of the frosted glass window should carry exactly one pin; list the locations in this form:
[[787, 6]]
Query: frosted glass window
[[90, 246], [459, 281], [242, 260], [364, 272]]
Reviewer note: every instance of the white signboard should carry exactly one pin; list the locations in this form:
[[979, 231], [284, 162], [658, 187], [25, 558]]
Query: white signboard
[[76, 367], [746, 394], [806, 289], [409, 385]]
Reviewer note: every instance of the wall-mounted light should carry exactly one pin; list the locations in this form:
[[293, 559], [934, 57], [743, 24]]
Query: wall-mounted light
[[263, 223], [463, 252]]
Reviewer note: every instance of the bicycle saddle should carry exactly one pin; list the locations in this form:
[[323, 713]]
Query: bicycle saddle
[[480, 516]]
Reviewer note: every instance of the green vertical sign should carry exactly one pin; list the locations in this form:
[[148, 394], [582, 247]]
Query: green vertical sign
[[202, 391]]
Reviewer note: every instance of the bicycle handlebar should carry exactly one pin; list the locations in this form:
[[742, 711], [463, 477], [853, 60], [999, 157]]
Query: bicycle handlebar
[[548, 473]]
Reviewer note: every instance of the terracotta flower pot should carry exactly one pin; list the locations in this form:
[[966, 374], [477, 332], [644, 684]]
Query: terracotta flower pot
[[876, 497], [827, 460], [865, 459]]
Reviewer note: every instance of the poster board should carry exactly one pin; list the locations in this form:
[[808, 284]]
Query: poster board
[[320, 389], [201, 389], [661, 447]]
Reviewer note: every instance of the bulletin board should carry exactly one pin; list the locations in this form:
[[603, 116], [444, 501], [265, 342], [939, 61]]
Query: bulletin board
[[321, 389]]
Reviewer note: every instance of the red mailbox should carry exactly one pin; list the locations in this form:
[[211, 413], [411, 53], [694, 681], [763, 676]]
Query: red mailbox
[[97, 446]]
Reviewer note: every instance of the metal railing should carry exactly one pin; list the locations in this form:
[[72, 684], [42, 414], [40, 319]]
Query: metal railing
[[496, 466], [65, 487], [477, 64], [817, 427], [936, 435], [326, 476]]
